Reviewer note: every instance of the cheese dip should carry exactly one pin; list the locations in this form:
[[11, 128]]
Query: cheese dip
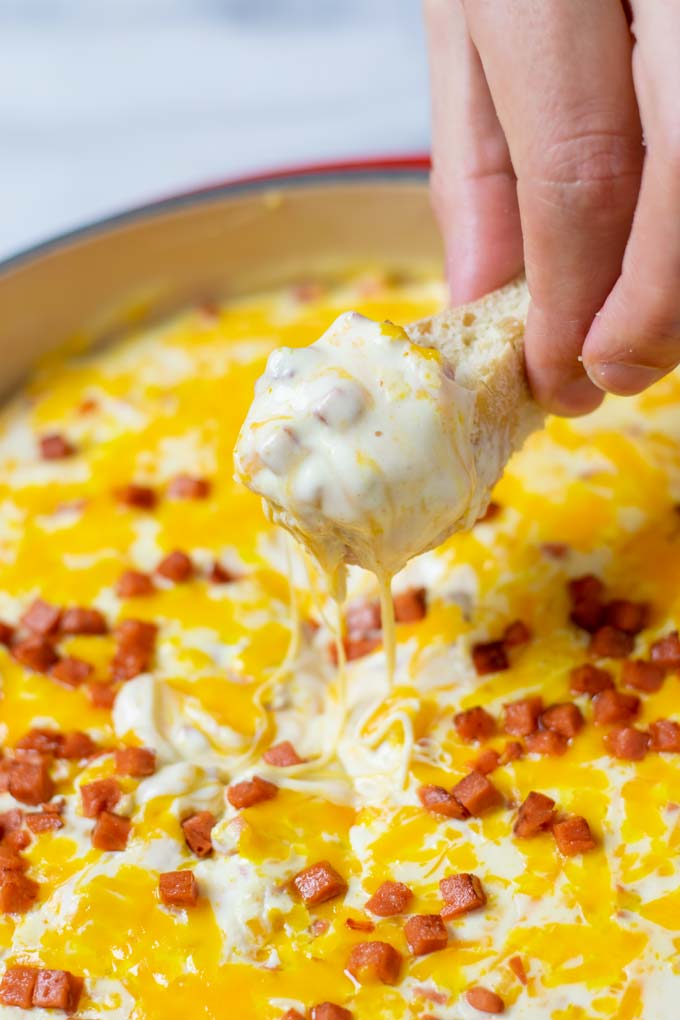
[[359, 445]]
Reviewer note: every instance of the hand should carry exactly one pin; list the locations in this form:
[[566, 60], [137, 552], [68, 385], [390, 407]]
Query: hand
[[539, 110]]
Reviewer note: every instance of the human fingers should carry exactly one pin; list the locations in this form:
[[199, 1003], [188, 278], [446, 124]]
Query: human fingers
[[474, 190], [560, 75], [636, 338]]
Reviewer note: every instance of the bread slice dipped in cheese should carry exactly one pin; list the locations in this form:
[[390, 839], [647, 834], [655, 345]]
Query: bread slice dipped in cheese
[[375, 443]]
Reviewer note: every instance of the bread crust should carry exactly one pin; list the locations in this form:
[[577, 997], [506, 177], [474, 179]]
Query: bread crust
[[483, 341]]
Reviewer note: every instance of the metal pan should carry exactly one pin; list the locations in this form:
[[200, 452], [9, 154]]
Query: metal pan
[[226, 240]]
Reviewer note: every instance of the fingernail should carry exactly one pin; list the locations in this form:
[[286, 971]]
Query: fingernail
[[623, 379], [576, 397]]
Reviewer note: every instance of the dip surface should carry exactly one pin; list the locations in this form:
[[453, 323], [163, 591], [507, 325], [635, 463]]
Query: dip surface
[[232, 673]]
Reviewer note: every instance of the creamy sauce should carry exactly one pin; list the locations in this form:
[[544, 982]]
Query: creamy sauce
[[358, 444], [360, 447]]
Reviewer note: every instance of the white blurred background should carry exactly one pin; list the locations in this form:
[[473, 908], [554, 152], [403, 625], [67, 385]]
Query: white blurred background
[[106, 103]]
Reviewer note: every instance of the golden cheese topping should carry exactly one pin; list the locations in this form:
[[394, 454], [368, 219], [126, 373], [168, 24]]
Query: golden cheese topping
[[197, 815]]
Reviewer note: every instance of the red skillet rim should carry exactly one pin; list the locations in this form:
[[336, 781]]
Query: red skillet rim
[[407, 167]]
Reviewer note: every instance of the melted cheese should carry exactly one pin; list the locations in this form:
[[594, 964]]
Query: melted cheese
[[236, 671], [358, 445]]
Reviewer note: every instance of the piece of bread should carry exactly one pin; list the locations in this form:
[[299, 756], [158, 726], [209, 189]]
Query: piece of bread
[[483, 342]]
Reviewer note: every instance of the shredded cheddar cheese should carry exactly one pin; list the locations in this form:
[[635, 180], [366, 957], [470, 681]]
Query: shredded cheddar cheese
[[225, 866]]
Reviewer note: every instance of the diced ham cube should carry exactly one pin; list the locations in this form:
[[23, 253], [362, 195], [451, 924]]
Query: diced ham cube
[[492, 511], [250, 792], [42, 618], [516, 634], [609, 643], [128, 663], [521, 717], [57, 989], [30, 782], [586, 605], [219, 574], [565, 719], [188, 487], [546, 742], [135, 761], [439, 801], [18, 839], [484, 1000], [318, 883], [140, 634], [410, 605], [11, 830], [627, 743], [374, 961], [76, 746], [178, 889], [11, 860], [573, 836], [642, 676], [83, 620], [486, 762], [489, 657], [461, 894], [102, 695], [359, 924], [176, 567], [360, 647], [666, 651], [100, 795], [43, 741], [111, 832], [18, 892], [476, 793], [474, 724], [197, 832], [512, 751], [664, 735], [134, 584], [282, 755], [555, 550], [516, 965], [589, 679], [425, 933], [355, 648], [614, 707], [54, 446], [330, 1011], [630, 617], [71, 672], [292, 1014], [142, 497], [6, 633], [16, 987], [587, 615], [36, 653], [136, 641], [586, 587], [536, 813], [44, 821], [389, 899]]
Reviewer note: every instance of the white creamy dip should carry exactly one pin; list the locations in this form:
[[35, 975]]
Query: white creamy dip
[[360, 446]]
